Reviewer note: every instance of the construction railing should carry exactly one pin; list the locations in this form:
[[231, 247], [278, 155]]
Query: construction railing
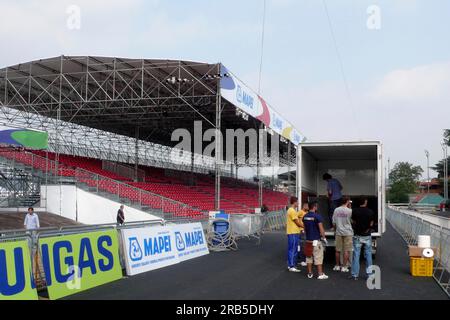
[[121, 191], [275, 220], [124, 170], [54, 172], [410, 227], [33, 237]]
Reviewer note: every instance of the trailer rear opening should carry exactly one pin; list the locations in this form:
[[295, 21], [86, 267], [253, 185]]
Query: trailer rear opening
[[357, 165]]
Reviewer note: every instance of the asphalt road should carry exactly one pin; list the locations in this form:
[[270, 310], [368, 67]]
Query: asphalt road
[[259, 272]]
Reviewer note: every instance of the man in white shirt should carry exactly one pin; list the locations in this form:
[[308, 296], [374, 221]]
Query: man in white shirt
[[342, 223], [31, 220]]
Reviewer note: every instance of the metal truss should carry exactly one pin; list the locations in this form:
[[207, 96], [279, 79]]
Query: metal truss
[[124, 110]]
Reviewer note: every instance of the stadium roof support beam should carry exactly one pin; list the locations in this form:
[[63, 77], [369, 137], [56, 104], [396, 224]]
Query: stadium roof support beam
[[218, 150], [91, 107]]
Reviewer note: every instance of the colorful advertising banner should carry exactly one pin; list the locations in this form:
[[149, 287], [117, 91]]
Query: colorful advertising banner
[[151, 248], [16, 279], [190, 241], [74, 263], [244, 98], [148, 249], [26, 138]]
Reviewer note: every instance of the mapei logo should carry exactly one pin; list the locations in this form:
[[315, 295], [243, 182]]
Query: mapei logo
[[135, 251], [277, 122], [244, 98], [179, 241]]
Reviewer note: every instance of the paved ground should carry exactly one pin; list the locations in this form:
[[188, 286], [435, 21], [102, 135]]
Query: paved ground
[[259, 272], [14, 220]]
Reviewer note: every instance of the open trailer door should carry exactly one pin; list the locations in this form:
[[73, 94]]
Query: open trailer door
[[357, 165]]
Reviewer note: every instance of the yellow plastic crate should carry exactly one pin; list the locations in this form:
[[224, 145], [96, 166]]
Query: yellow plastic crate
[[421, 267]]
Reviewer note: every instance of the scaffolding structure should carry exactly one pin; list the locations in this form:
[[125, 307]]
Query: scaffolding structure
[[125, 110]]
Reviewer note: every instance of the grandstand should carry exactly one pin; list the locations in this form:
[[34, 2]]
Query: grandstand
[[110, 122]]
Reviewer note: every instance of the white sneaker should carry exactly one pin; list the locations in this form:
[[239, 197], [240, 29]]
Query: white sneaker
[[293, 269], [303, 264], [323, 276], [337, 268], [345, 269], [310, 275]]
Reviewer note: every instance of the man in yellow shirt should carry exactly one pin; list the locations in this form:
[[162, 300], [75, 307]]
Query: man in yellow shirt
[[293, 225]]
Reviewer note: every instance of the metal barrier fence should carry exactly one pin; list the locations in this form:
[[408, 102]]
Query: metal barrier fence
[[410, 227], [33, 237], [247, 225], [275, 220]]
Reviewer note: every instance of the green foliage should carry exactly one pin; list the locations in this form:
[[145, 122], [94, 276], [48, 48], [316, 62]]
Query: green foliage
[[439, 167], [403, 179]]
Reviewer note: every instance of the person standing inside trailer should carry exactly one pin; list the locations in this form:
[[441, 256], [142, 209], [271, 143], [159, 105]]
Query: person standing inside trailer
[[334, 192], [293, 225], [342, 223]]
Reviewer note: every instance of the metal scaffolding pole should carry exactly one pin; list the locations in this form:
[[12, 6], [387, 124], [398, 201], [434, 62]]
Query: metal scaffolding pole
[[258, 168], [218, 142], [136, 156], [289, 167]]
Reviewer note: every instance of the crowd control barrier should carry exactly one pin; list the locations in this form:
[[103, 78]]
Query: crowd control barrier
[[247, 225], [410, 227], [71, 259], [275, 221], [68, 260]]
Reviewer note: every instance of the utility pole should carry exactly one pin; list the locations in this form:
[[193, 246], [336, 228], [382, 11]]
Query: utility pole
[[427, 154], [389, 172], [445, 153]]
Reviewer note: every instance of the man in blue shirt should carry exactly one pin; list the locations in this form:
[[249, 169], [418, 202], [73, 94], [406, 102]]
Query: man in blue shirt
[[314, 234], [334, 192]]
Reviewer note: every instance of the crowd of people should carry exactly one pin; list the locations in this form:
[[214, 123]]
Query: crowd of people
[[352, 229]]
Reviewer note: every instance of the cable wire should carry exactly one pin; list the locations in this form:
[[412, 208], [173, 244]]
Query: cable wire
[[341, 65], [263, 31]]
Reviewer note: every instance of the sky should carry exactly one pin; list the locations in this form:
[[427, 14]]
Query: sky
[[375, 70]]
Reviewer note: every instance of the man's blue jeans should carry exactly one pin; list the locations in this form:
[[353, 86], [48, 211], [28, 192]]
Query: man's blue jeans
[[292, 255], [358, 241]]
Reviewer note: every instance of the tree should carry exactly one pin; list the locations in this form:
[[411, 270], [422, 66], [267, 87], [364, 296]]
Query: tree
[[439, 167], [403, 178]]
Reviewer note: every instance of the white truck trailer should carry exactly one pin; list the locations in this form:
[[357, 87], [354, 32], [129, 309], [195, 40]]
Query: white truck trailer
[[359, 168]]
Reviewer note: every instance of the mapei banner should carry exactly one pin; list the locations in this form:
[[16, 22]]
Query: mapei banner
[[236, 92], [152, 248], [26, 138], [74, 263], [190, 241], [16, 279]]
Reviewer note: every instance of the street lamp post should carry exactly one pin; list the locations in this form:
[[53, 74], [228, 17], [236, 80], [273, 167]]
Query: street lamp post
[[427, 154], [445, 152]]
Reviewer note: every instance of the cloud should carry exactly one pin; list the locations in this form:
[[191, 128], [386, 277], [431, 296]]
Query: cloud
[[407, 109], [417, 84]]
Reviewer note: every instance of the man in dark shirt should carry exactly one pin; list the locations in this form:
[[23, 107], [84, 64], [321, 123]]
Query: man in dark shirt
[[362, 220], [120, 215], [314, 234]]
